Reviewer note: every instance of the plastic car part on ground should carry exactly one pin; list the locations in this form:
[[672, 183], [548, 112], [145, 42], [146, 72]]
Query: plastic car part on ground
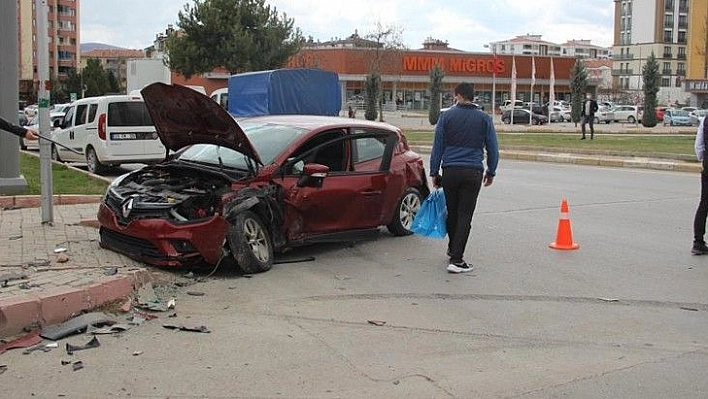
[[93, 343], [200, 329], [24, 341], [77, 325]]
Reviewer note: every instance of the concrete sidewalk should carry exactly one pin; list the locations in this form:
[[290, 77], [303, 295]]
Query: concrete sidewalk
[[37, 286]]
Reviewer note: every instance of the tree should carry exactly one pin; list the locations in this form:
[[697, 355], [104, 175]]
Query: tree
[[388, 44], [650, 76], [113, 85], [436, 77], [238, 35], [73, 82], [373, 81], [578, 83], [95, 78]]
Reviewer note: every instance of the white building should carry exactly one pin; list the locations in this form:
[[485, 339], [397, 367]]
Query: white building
[[526, 45]]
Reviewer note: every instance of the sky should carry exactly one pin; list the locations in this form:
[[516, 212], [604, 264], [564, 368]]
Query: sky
[[465, 24]]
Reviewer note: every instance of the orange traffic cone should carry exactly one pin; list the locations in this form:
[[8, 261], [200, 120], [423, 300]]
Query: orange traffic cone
[[564, 236]]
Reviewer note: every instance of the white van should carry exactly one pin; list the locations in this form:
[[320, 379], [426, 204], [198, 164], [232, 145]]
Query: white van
[[107, 130], [221, 96]]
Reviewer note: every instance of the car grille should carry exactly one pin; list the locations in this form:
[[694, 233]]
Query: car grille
[[115, 203], [132, 246]]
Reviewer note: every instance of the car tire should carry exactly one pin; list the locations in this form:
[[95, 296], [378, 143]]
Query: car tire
[[250, 243], [92, 163], [535, 121], [597, 120], [23, 147], [406, 209], [506, 120], [55, 154], [631, 119]]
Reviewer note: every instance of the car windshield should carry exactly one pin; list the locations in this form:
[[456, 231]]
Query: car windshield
[[268, 139], [679, 112]]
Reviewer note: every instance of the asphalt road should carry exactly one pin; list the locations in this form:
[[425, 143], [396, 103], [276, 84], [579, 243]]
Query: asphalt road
[[623, 316]]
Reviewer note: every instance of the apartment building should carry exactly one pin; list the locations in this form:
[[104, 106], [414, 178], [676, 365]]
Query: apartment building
[[114, 61], [64, 42], [675, 32]]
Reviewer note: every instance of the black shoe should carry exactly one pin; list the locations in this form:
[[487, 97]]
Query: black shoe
[[699, 248], [582, 138]]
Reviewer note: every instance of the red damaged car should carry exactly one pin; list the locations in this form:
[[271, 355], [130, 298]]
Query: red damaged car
[[254, 187]]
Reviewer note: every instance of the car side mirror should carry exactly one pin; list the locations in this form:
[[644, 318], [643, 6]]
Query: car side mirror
[[57, 123], [313, 175]]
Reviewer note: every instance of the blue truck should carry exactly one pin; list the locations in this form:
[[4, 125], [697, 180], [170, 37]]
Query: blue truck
[[284, 92]]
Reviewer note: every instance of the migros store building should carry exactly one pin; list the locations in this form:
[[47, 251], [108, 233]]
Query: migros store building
[[405, 74]]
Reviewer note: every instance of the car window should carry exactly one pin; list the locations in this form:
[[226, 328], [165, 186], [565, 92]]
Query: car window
[[80, 114], [68, 118], [270, 139], [128, 113], [316, 150], [92, 112]]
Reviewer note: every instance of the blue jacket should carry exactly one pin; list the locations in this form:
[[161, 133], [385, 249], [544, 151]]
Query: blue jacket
[[462, 134]]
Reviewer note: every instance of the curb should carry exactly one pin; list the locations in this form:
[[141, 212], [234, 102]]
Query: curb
[[35, 201], [590, 160], [58, 305]]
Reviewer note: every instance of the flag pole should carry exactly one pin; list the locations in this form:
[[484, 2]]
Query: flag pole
[[533, 82]]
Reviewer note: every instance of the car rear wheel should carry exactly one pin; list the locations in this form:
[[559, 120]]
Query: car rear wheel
[[55, 154], [506, 120], [631, 119], [92, 163], [597, 120], [250, 243], [406, 209]]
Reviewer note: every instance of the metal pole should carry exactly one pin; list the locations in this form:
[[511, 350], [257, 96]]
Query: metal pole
[[11, 182], [45, 147], [494, 83]]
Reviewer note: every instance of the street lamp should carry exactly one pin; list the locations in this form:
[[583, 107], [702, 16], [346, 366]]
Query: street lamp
[[493, 47]]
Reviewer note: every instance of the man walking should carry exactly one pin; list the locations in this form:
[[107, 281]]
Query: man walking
[[588, 114], [17, 130], [699, 221], [461, 136]]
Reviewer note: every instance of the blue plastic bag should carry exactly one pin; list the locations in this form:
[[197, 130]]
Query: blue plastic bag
[[430, 219]]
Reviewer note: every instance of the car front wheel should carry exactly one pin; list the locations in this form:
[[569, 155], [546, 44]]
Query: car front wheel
[[250, 243], [55, 154], [506, 120], [406, 209], [631, 119]]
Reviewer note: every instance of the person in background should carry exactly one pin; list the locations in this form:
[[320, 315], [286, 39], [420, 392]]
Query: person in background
[[462, 134], [699, 221], [352, 112], [20, 131], [588, 114]]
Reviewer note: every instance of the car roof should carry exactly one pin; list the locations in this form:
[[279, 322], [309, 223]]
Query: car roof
[[314, 122]]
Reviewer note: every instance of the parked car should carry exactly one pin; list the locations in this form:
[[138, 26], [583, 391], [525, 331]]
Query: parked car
[[107, 130], [676, 117], [628, 113], [697, 115], [604, 114], [261, 185], [507, 105], [660, 110], [34, 124], [523, 116], [557, 114], [689, 109]]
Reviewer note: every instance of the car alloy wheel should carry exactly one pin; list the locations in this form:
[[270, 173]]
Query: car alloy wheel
[[406, 209], [92, 163], [250, 243]]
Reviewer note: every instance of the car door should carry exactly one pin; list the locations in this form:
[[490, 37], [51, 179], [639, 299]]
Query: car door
[[78, 136], [350, 198], [65, 136]]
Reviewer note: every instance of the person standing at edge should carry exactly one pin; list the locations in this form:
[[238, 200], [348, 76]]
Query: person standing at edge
[[462, 134], [699, 221], [588, 114], [17, 130]]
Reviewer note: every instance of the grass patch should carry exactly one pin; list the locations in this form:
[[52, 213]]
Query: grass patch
[[634, 144], [66, 181]]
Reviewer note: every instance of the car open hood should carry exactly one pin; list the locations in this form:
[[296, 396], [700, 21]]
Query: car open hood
[[183, 116]]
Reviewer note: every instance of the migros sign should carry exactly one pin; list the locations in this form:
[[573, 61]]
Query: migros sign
[[454, 64]]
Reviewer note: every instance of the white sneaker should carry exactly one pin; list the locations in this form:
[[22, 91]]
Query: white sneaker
[[462, 267]]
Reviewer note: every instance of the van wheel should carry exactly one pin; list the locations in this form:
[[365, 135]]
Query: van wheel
[[250, 243], [93, 164], [631, 119], [55, 154]]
